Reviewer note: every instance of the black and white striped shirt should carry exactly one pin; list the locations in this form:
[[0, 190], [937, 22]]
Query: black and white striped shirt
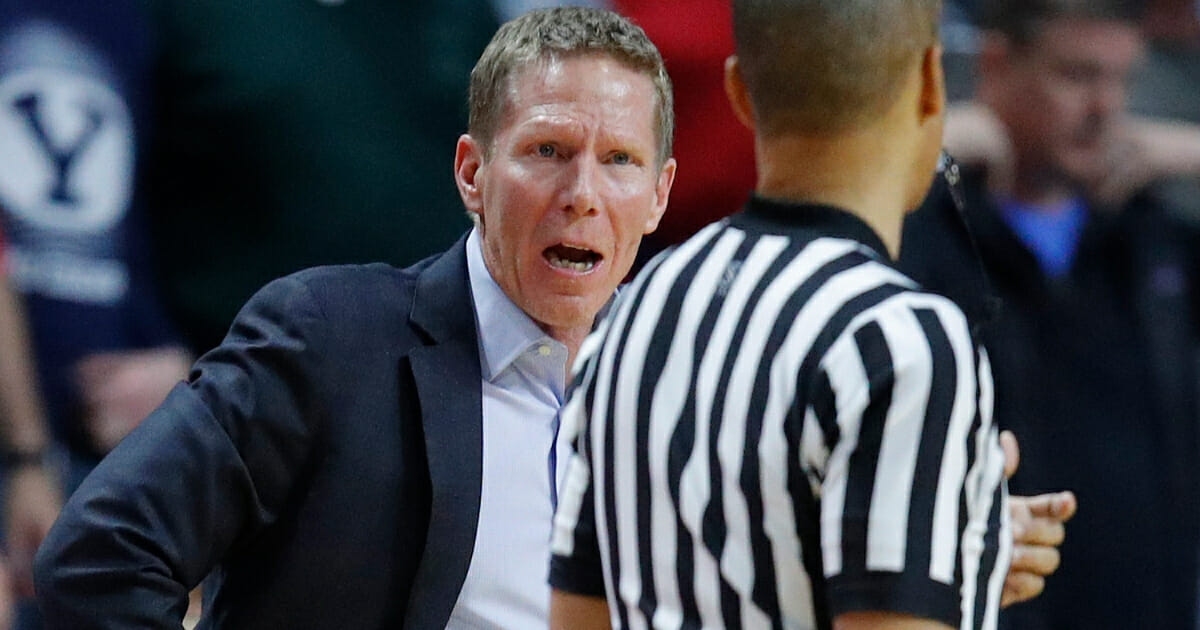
[[773, 426]]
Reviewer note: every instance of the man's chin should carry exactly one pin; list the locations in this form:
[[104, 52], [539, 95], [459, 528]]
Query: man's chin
[[1086, 161], [1082, 172]]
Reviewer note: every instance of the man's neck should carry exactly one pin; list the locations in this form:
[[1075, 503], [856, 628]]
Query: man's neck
[[854, 172]]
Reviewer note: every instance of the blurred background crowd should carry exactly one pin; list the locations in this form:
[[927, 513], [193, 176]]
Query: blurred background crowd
[[162, 159]]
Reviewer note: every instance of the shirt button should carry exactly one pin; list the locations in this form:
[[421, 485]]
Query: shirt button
[[544, 350]]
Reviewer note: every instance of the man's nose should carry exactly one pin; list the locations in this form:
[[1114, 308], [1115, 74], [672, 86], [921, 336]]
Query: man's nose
[[582, 188], [1108, 97]]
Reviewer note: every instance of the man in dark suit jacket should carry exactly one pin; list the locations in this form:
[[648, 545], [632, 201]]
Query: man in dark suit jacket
[[322, 467], [327, 466]]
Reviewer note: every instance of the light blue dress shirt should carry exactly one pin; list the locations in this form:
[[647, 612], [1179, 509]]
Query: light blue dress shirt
[[524, 380]]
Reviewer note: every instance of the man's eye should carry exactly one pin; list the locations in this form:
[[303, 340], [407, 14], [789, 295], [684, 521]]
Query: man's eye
[[621, 158], [546, 150]]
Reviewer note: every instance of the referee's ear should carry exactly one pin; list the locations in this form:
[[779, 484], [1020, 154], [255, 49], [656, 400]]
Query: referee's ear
[[739, 96], [933, 84]]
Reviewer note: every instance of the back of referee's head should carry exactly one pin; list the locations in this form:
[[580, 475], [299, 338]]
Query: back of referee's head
[[846, 99], [823, 66]]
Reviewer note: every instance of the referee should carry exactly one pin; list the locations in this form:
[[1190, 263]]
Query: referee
[[774, 428]]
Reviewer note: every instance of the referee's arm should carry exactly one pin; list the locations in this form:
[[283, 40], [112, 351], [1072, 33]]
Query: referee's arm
[[577, 596], [570, 611], [577, 599], [914, 509]]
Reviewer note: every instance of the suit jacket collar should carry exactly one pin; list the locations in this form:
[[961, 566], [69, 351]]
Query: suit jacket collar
[[442, 306], [447, 376]]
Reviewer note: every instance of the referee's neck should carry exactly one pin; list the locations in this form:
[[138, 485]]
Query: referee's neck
[[851, 171]]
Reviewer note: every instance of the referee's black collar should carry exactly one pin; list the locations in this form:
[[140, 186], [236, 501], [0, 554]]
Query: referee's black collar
[[763, 214]]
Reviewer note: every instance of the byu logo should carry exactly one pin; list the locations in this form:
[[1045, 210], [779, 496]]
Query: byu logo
[[68, 139]]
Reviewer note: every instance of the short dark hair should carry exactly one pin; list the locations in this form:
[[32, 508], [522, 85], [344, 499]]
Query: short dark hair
[[1022, 20], [828, 65], [549, 34]]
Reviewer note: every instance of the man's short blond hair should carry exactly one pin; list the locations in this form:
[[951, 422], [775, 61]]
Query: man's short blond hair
[[551, 34], [825, 66]]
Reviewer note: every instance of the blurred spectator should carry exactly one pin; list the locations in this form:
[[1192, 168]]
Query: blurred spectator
[[31, 496], [1094, 348], [72, 114], [297, 133]]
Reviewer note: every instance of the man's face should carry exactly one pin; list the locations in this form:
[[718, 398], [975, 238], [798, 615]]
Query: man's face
[[570, 187], [1062, 92]]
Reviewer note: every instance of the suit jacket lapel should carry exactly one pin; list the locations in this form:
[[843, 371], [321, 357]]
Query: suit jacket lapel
[[448, 377]]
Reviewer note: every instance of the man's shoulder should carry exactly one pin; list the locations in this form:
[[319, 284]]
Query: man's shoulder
[[344, 281], [380, 280], [877, 292], [368, 294]]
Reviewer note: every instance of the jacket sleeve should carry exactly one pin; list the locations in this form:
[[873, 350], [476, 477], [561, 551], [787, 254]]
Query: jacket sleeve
[[208, 469]]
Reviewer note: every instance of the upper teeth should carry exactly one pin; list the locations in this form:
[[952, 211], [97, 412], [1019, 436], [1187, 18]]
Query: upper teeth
[[563, 263]]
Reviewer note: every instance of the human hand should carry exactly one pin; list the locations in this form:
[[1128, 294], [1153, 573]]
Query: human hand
[[119, 389], [1141, 151], [33, 503], [1038, 526]]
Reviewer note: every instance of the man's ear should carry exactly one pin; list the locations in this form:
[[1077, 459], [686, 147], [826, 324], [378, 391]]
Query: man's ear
[[468, 171], [933, 84], [662, 193], [739, 96]]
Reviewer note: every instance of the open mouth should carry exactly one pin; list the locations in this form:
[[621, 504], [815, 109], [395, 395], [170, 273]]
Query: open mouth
[[572, 258]]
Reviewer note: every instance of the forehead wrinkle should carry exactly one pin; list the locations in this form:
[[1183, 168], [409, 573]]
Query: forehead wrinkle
[[605, 127], [543, 119], [580, 125]]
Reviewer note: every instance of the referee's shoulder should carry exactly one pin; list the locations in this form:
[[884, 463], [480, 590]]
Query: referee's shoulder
[[909, 296], [919, 300]]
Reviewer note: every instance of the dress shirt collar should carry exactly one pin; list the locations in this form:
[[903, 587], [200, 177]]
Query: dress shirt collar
[[505, 331]]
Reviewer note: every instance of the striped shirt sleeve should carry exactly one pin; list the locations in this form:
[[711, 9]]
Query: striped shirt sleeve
[[913, 499]]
